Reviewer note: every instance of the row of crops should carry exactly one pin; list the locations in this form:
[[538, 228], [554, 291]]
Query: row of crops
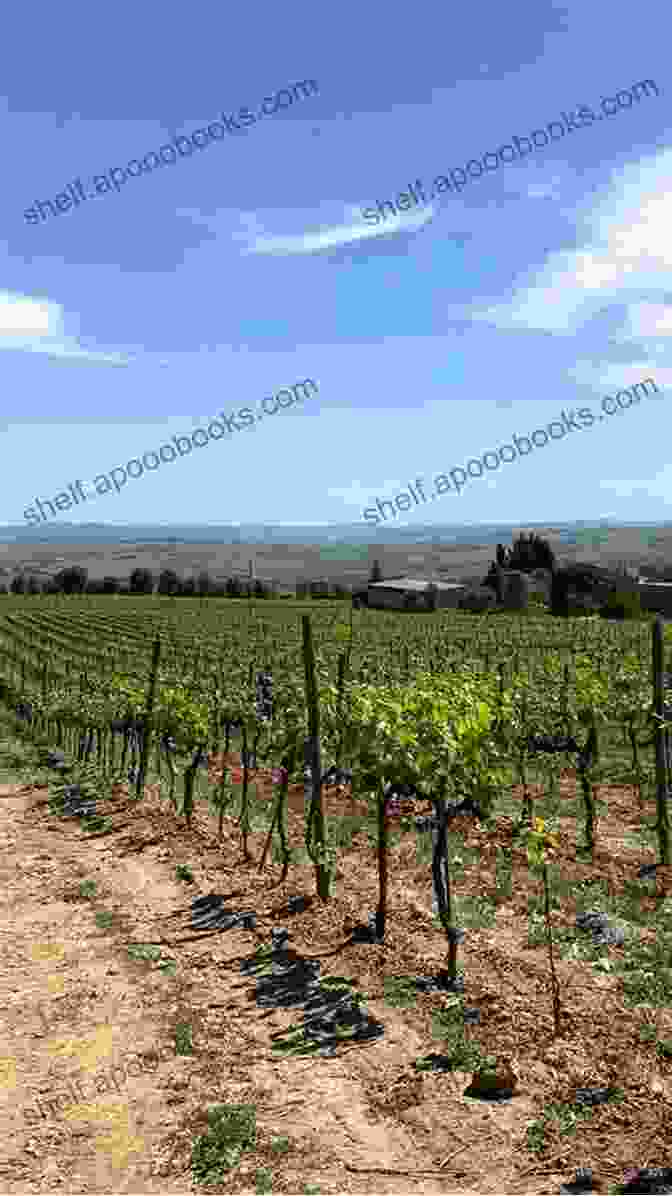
[[449, 708]]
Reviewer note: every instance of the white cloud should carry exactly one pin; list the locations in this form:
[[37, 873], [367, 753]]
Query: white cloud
[[628, 249], [609, 378], [331, 236], [648, 319], [38, 326]]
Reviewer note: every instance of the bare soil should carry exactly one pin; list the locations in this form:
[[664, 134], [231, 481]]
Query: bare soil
[[76, 1007]]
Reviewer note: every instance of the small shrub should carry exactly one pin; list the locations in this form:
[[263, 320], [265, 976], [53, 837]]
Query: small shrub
[[232, 1130], [183, 1043], [280, 1145], [622, 604]]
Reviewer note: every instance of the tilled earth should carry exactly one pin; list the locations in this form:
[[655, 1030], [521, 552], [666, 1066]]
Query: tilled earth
[[79, 1009]]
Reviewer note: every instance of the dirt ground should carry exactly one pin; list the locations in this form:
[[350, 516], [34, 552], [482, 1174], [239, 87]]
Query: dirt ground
[[76, 1007]]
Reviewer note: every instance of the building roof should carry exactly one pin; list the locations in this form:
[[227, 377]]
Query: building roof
[[414, 583]]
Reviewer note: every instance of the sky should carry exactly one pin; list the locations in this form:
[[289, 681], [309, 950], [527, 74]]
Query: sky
[[220, 278]]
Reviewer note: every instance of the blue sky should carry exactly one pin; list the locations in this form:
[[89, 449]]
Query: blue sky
[[204, 286]]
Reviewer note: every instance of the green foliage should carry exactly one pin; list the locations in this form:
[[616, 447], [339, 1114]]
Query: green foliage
[[232, 1130], [145, 951], [436, 734], [264, 1179], [183, 1043], [280, 1145], [622, 604]]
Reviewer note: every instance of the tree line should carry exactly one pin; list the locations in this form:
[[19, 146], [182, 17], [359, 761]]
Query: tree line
[[75, 580]]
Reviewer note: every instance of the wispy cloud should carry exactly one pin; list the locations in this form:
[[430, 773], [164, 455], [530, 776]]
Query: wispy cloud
[[625, 258], [331, 236], [36, 325]]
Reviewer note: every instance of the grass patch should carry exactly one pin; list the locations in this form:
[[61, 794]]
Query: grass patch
[[264, 1179], [475, 913], [280, 1145], [145, 951], [448, 1025], [399, 992], [232, 1129], [183, 1043], [183, 872]]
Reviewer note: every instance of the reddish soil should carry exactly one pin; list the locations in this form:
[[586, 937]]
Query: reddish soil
[[76, 1006]]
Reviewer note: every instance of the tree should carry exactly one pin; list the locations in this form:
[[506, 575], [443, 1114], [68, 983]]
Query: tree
[[169, 582], [495, 580], [72, 580], [187, 588], [141, 581], [234, 588], [34, 586], [376, 572], [432, 592], [110, 585], [204, 584], [531, 552], [319, 589], [584, 580], [18, 584], [622, 604], [527, 554]]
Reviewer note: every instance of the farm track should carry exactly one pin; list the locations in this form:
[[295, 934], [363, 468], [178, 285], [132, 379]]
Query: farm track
[[76, 1005]]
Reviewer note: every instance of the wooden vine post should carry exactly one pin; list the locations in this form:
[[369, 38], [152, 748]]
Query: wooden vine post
[[315, 830], [662, 822], [144, 757], [382, 862]]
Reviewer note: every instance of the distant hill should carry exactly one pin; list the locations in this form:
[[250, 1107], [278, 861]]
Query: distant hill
[[580, 533]]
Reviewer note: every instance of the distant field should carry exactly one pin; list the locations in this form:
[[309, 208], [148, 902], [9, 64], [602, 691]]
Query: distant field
[[348, 564]]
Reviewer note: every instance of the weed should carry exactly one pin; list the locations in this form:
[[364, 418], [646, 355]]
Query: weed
[[400, 992], [144, 951], [232, 1130], [183, 872], [183, 1043], [264, 1179], [475, 912], [95, 823], [647, 973], [104, 920], [87, 888], [280, 1145], [448, 1025]]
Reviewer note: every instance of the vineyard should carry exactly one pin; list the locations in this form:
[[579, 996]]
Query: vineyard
[[480, 805]]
